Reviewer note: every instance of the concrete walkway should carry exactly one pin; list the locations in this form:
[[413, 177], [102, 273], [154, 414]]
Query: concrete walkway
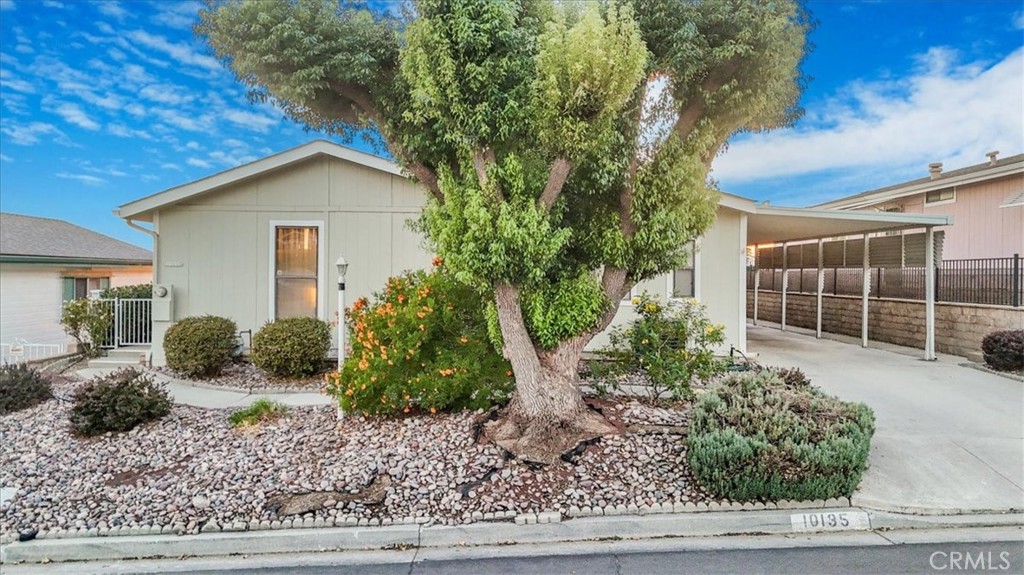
[[187, 394], [949, 439]]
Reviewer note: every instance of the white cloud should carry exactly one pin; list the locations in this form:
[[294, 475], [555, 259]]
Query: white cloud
[[5, 158], [179, 120], [73, 114], [113, 9], [6, 5], [943, 111], [166, 94], [1018, 20], [122, 131], [29, 134], [53, 4], [135, 109], [182, 53], [192, 145], [84, 178], [170, 166], [250, 120], [233, 158], [198, 163], [8, 80], [176, 14], [105, 27]]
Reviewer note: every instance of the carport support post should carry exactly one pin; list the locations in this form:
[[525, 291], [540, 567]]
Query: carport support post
[[821, 284], [757, 286], [866, 288], [785, 284], [929, 295]]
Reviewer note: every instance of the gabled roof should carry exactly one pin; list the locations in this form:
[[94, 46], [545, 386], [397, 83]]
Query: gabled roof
[[969, 175], [32, 239], [253, 169]]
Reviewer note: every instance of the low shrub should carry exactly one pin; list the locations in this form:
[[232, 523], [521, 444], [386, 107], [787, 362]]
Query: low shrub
[[292, 347], [117, 402], [261, 411], [421, 344], [753, 436], [21, 387], [200, 346], [670, 344], [792, 377], [137, 291], [88, 321], [1004, 350]]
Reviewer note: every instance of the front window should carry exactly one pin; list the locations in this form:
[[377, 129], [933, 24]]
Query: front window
[[78, 288], [683, 278], [296, 263], [936, 196]]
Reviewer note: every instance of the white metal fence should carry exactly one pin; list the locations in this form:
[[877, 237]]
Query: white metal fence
[[132, 323], [20, 351]]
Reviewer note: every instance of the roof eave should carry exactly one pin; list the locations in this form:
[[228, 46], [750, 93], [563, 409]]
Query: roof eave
[[63, 260], [866, 199]]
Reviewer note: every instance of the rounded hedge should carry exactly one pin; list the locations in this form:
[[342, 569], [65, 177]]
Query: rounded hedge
[[117, 402], [292, 347], [756, 437], [21, 387], [1004, 350], [200, 346]]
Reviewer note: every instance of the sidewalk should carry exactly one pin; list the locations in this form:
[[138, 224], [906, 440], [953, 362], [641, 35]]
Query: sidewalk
[[186, 393], [948, 439]]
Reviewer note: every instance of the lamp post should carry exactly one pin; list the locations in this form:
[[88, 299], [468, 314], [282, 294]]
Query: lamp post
[[342, 266]]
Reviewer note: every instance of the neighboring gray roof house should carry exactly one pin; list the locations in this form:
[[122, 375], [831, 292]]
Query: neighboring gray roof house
[[44, 240]]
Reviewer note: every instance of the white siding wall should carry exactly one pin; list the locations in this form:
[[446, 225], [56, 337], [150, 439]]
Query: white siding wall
[[30, 300], [31, 296]]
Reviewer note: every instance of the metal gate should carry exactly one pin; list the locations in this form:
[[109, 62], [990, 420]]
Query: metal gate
[[132, 322]]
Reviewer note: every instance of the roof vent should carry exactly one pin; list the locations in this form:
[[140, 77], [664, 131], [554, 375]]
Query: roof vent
[[935, 170], [992, 157]]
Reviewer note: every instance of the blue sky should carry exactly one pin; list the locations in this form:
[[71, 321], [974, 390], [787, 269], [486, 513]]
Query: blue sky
[[104, 102]]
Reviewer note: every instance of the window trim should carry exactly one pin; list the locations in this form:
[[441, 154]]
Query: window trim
[[321, 267], [940, 202]]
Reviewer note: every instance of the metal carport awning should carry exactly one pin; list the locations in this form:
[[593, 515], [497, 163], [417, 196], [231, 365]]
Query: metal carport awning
[[773, 225]]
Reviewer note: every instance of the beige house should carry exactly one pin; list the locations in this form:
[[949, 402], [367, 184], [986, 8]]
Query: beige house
[[986, 200], [45, 262], [258, 242]]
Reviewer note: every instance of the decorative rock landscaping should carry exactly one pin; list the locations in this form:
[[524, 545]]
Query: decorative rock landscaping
[[192, 473]]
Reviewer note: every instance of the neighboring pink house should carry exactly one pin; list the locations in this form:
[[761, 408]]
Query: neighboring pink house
[[986, 201]]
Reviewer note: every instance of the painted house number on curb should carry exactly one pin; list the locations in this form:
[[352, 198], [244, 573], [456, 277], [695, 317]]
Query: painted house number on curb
[[830, 521]]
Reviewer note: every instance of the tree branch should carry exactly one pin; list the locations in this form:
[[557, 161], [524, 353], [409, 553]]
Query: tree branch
[[557, 175], [694, 110], [362, 105]]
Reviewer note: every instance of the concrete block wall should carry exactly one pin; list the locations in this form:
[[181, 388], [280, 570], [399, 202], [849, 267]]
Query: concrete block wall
[[959, 328]]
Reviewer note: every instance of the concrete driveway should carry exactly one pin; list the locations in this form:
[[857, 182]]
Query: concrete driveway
[[949, 439]]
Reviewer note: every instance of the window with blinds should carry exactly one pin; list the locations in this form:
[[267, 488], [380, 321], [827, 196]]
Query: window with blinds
[[295, 271], [78, 287], [683, 278]]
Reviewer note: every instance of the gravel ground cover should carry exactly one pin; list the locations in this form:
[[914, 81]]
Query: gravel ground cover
[[192, 472], [246, 376]]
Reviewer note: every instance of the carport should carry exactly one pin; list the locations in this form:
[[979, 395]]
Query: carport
[[829, 237]]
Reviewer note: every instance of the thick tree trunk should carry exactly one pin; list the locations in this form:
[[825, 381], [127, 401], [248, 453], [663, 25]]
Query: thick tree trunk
[[547, 415]]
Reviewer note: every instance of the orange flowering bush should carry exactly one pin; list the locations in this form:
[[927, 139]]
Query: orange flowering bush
[[420, 345]]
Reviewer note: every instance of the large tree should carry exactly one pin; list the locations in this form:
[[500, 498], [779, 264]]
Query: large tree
[[565, 145]]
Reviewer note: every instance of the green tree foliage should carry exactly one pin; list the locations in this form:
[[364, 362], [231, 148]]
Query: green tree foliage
[[566, 145]]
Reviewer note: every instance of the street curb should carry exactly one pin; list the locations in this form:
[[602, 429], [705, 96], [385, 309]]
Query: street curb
[[621, 527]]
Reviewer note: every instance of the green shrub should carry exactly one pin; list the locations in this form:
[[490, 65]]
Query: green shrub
[[261, 411], [753, 436], [137, 291], [88, 321], [117, 402], [672, 345], [291, 347], [200, 346], [21, 387], [1004, 350], [422, 344]]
